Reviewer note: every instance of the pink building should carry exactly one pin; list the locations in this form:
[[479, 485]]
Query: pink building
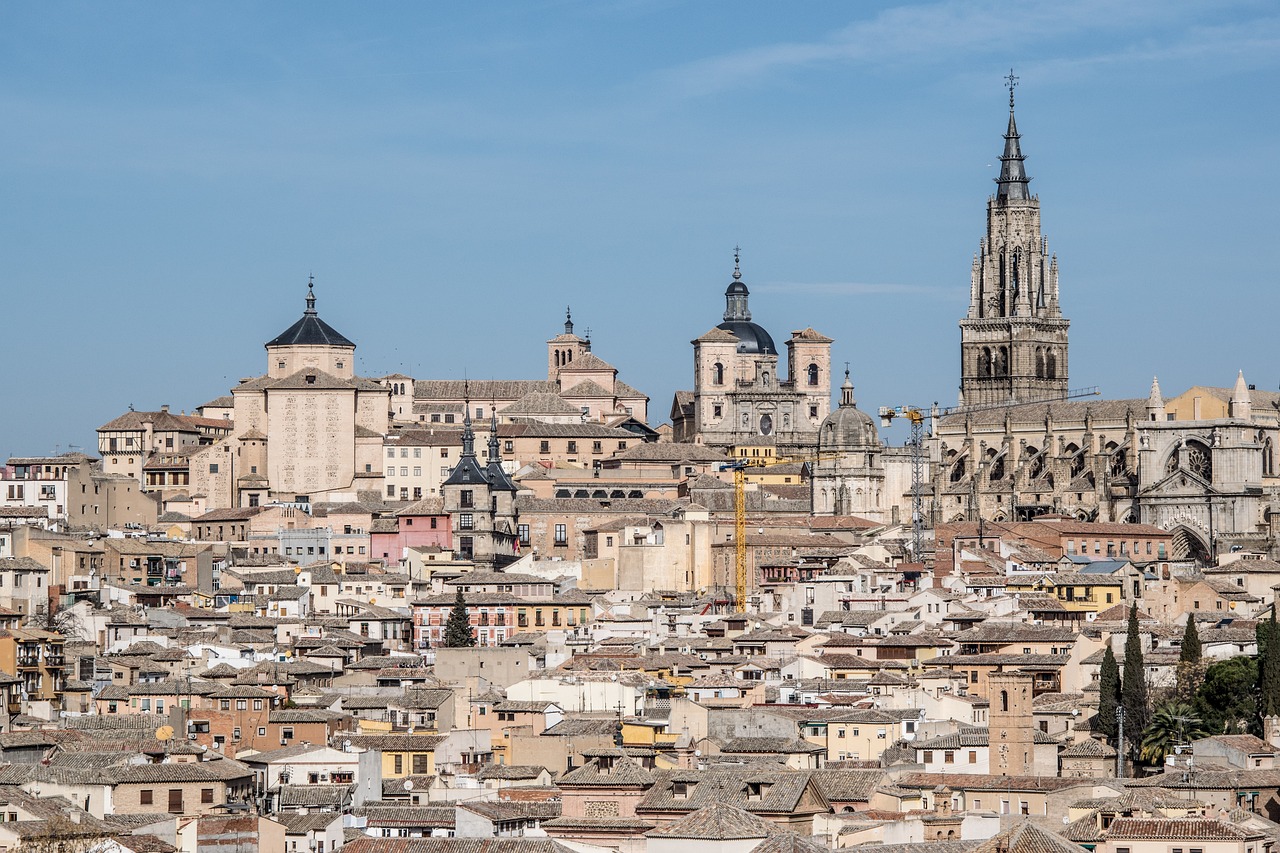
[[420, 524]]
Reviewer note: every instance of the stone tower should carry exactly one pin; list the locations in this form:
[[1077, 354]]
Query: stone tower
[[1012, 730], [480, 500], [565, 348], [1013, 342]]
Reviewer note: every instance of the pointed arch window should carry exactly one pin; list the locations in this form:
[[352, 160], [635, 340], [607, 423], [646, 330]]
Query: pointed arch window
[[1039, 362], [1051, 365]]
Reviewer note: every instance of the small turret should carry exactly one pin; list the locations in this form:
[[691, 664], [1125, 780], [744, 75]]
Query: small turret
[[1241, 405], [1155, 402]]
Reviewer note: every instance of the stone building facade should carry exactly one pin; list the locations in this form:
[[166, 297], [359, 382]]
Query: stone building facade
[[1013, 341], [739, 393]]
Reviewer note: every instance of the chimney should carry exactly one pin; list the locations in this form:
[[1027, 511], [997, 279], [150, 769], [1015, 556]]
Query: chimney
[[165, 408]]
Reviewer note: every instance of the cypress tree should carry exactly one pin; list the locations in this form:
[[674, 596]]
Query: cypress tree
[[1191, 651], [1133, 689], [1190, 667], [1269, 670], [1109, 694], [457, 630]]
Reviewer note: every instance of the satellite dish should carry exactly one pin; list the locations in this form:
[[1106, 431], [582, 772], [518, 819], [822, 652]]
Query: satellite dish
[[408, 784], [164, 733]]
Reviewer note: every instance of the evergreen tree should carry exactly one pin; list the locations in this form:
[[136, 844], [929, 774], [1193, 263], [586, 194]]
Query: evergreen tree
[[1191, 651], [1109, 694], [1269, 669], [457, 630], [1133, 689], [1191, 669], [1227, 699]]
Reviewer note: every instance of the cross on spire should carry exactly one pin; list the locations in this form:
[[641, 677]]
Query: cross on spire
[[737, 273], [1012, 82]]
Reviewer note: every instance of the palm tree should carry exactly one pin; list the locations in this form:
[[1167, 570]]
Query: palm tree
[[1172, 723]]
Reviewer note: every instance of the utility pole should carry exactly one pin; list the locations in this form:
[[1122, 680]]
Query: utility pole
[[1119, 741]]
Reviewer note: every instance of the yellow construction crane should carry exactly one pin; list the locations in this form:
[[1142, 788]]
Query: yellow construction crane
[[739, 468]]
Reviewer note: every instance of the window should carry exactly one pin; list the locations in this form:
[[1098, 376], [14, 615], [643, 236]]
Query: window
[[146, 797], [544, 447], [717, 411], [224, 704], [973, 757], [928, 756], [466, 499], [465, 521], [949, 757], [562, 535], [175, 801], [398, 762], [522, 531], [572, 447], [206, 795], [262, 731], [286, 734], [421, 763], [213, 467]]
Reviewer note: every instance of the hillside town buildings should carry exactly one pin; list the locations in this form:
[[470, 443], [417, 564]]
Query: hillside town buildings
[[327, 611]]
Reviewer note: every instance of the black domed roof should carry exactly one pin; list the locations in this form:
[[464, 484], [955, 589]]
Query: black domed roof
[[751, 336], [310, 330]]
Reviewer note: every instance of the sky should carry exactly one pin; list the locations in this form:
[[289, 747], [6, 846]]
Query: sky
[[455, 174]]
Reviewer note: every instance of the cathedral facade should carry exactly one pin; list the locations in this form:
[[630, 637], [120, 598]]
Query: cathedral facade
[[739, 394], [1201, 465]]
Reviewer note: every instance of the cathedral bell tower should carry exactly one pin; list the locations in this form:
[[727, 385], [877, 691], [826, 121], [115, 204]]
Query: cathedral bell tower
[[1013, 342]]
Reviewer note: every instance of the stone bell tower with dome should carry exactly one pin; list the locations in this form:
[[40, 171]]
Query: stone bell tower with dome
[[849, 473], [739, 393], [1013, 341]]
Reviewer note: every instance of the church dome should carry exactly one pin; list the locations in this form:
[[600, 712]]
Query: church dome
[[848, 426], [752, 338]]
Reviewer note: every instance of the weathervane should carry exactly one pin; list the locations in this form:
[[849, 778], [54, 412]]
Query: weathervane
[[1013, 82]]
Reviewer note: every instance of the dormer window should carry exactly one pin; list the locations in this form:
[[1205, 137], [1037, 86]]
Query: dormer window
[[680, 790], [757, 790]]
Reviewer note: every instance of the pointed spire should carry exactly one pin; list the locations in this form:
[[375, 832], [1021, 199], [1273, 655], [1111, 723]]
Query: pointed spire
[[1241, 404], [568, 321], [1155, 402], [846, 389], [1013, 178], [493, 434], [311, 295], [468, 435], [1155, 397]]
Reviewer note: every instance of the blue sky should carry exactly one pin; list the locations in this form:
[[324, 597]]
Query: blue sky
[[455, 174]]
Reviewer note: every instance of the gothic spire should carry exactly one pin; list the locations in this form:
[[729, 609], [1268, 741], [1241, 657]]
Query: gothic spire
[[468, 435], [493, 434], [1241, 404], [1013, 178]]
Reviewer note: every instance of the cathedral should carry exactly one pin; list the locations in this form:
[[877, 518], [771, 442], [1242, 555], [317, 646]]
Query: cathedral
[[739, 395], [1013, 342], [1201, 465]]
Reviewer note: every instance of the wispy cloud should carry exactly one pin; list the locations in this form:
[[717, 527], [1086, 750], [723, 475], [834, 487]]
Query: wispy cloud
[[953, 28], [856, 288]]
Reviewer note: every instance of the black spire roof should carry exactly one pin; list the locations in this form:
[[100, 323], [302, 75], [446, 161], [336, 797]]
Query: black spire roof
[[310, 330], [1013, 178]]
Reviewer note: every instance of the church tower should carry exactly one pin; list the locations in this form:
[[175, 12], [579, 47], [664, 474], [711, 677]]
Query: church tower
[[1011, 731], [1013, 342]]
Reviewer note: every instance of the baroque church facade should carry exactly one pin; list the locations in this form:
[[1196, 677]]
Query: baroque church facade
[[1201, 465], [739, 394]]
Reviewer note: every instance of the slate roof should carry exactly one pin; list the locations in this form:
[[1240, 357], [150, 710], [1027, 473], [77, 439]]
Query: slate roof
[[310, 330]]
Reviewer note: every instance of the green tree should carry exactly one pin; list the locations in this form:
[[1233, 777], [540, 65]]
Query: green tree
[[1268, 667], [1190, 666], [1133, 687], [457, 630], [1173, 723], [1227, 698], [1109, 694]]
